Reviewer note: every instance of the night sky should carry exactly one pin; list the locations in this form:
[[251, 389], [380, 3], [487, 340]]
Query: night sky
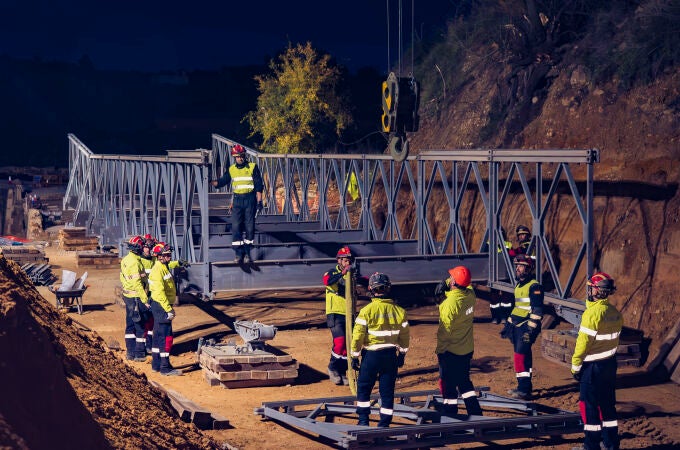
[[207, 34]]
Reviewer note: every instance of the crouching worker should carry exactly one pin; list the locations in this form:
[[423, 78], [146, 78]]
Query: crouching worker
[[163, 294], [381, 338], [455, 342]]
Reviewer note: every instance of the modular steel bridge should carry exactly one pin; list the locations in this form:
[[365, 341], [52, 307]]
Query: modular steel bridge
[[389, 212]]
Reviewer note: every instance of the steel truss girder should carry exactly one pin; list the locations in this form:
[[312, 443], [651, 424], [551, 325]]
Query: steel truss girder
[[305, 273], [340, 192], [430, 427]]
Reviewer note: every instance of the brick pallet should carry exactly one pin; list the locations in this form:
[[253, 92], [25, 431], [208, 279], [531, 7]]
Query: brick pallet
[[23, 254], [97, 260], [558, 346], [75, 239], [230, 366]]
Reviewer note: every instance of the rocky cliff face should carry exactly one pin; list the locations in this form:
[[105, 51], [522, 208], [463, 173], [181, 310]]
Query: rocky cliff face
[[637, 200]]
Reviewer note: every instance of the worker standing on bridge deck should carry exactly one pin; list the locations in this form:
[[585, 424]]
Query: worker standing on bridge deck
[[524, 324], [381, 337], [134, 281], [148, 261], [593, 364], [246, 189], [455, 342], [523, 241], [163, 294]]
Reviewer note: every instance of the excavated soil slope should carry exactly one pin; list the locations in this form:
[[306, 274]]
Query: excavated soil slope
[[61, 388]]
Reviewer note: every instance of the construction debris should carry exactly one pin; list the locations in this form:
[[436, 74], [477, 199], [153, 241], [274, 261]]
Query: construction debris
[[252, 364], [190, 412]]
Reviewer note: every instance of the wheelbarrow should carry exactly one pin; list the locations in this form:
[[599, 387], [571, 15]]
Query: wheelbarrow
[[69, 298]]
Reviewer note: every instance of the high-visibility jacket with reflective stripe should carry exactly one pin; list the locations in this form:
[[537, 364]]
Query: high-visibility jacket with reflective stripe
[[598, 335], [456, 313], [380, 324], [522, 310], [162, 286], [242, 178], [147, 263], [133, 277], [335, 300]]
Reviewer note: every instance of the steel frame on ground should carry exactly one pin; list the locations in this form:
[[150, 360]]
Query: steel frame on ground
[[429, 427]]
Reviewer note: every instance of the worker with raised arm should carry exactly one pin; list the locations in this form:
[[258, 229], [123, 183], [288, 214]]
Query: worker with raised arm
[[246, 188], [163, 295], [455, 342]]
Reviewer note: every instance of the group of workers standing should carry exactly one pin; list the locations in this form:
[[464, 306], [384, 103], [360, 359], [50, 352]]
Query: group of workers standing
[[149, 294], [380, 342]]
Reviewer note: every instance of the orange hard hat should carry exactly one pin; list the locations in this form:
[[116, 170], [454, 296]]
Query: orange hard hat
[[461, 276]]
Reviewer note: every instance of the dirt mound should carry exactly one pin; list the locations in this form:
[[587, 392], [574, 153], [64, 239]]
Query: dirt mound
[[63, 389]]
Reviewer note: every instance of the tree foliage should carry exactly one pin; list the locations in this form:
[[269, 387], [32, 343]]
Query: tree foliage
[[298, 108]]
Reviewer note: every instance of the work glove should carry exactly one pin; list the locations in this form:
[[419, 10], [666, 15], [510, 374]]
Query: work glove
[[356, 364], [401, 359], [577, 375], [346, 269], [170, 315], [260, 207], [505, 331], [184, 263], [440, 290]]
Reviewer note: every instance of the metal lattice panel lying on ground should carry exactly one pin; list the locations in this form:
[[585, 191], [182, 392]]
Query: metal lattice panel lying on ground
[[419, 423]]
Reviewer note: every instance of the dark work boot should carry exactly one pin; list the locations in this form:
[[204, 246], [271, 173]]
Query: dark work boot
[[166, 368], [385, 420], [363, 414]]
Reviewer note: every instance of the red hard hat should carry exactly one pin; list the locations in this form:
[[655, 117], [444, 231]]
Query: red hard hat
[[524, 260], [161, 249], [602, 280], [461, 276], [344, 252], [237, 150], [136, 240]]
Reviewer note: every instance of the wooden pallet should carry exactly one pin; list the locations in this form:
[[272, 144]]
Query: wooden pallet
[[558, 346], [230, 366]]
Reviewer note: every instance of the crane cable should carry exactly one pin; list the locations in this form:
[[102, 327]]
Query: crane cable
[[400, 48]]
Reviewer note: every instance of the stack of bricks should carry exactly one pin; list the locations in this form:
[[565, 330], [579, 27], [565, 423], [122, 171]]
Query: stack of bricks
[[76, 239], [231, 367], [97, 260], [558, 346], [22, 254]]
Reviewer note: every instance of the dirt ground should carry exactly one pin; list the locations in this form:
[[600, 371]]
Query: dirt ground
[[648, 410]]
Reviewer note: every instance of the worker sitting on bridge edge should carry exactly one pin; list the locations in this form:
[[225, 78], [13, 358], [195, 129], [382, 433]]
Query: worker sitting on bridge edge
[[163, 296], [455, 342], [524, 324], [381, 337], [336, 313], [136, 299], [594, 365], [246, 188]]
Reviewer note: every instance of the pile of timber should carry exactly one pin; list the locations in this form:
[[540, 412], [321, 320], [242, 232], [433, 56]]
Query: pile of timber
[[76, 239], [558, 346], [190, 412], [231, 366], [97, 260], [23, 254]]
